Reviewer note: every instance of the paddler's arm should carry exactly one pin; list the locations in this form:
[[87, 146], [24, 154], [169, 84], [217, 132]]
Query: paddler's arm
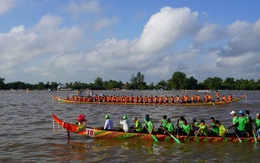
[[187, 134]]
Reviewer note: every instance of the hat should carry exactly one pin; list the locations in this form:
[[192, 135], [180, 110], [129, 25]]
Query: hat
[[81, 118], [169, 120], [233, 112], [241, 112], [257, 115], [107, 116], [124, 117]]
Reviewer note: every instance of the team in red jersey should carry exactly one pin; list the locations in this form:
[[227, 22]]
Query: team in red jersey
[[149, 99]]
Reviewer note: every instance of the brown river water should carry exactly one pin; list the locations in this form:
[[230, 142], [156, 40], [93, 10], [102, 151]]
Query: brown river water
[[27, 130]]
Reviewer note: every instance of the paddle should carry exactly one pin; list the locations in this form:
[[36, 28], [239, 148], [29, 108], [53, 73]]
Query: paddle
[[237, 137], [196, 136], [254, 137], [177, 140], [154, 138], [68, 133]]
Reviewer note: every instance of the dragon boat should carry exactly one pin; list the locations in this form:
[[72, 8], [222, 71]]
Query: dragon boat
[[201, 103], [115, 134]]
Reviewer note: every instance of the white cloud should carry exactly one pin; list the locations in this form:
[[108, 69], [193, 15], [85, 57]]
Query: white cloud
[[82, 7], [48, 22], [209, 32], [166, 27], [16, 30], [27, 50], [105, 22], [6, 5], [171, 40]]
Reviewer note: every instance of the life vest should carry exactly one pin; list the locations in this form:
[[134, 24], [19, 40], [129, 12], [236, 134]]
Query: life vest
[[141, 99], [172, 99], [224, 98], [151, 99], [229, 97], [178, 99], [166, 99]]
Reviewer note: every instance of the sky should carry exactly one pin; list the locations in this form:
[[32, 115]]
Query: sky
[[79, 40]]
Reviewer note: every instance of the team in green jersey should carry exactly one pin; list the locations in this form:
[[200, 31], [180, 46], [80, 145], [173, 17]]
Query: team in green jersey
[[243, 126]]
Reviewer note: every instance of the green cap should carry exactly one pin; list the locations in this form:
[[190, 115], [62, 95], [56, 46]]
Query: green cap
[[107, 116], [125, 117]]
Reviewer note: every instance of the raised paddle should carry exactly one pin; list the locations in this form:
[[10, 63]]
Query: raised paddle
[[154, 138], [177, 140]]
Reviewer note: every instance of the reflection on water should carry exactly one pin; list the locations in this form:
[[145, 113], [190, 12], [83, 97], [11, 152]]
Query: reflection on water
[[27, 130], [135, 151], [98, 150]]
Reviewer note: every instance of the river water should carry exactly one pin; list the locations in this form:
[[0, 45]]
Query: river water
[[27, 130]]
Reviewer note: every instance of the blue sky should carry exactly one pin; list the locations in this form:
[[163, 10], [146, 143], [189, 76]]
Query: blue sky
[[80, 40]]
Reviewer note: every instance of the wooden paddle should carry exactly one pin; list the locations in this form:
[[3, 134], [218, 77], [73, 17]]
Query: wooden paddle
[[177, 140]]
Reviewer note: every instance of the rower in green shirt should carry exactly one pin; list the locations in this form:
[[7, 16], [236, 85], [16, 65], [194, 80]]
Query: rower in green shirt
[[138, 125], [221, 128], [234, 120], [186, 127], [148, 124], [203, 129], [215, 129], [241, 123], [249, 123], [257, 124], [164, 121], [169, 125], [179, 124], [195, 124]]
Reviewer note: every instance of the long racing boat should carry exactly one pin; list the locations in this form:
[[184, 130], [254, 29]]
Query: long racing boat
[[201, 103], [115, 134]]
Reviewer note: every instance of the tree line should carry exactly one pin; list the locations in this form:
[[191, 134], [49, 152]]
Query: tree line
[[178, 81]]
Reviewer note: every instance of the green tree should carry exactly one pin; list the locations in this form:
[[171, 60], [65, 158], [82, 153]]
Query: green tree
[[137, 82], [229, 83], [161, 85], [112, 84], [151, 86], [257, 85], [54, 85], [251, 84], [192, 83], [40, 86], [77, 85], [213, 83], [98, 83], [2, 84], [178, 81]]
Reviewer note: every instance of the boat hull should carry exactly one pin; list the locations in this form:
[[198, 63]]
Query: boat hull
[[105, 134], [147, 104]]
